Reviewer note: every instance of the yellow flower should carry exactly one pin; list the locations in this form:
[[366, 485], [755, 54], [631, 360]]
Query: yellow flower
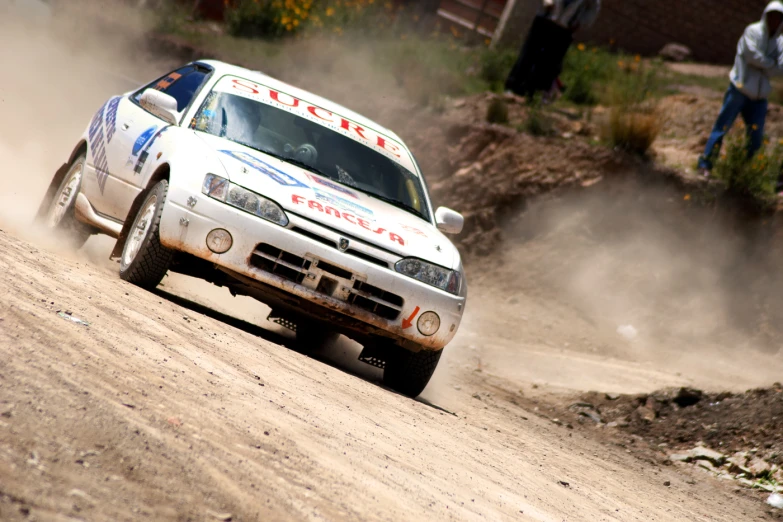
[[637, 58], [329, 11], [581, 47], [687, 197], [620, 64]]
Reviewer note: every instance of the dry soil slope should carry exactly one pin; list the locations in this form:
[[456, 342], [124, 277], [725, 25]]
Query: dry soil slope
[[157, 410]]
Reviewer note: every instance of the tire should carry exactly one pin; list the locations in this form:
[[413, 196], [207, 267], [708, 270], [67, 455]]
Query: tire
[[59, 216], [409, 372], [144, 261]]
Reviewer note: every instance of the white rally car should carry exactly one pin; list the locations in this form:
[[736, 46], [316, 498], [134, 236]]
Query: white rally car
[[231, 176]]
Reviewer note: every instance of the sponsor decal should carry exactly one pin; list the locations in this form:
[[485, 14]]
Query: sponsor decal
[[111, 118], [143, 139], [350, 218], [342, 203], [408, 321], [165, 83], [276, 174], [414, 230], [144, 154], [97, 143], [332, 185]]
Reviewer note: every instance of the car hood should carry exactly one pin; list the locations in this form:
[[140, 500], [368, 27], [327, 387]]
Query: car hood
[[336, 206]]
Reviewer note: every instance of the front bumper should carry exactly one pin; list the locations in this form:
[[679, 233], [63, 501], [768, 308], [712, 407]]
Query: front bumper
[[326, 277]]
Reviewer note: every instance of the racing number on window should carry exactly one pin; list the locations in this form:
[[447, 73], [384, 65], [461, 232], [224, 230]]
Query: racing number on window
[[182, 85], [165, 83]]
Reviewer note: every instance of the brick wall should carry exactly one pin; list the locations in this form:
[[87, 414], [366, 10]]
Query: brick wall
[[710, 28]]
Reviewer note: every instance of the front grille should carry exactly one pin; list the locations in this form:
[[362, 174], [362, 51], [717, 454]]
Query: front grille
[[332, 244], [334, 270], [296, 269], [279, 262], [376, 300]]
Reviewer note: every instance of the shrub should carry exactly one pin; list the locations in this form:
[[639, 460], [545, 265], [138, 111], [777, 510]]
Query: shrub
[[266, 18], [634, 120], [584, 70], [494, 67], [537, 122], [633, 129], [755, 177], [497, 111]]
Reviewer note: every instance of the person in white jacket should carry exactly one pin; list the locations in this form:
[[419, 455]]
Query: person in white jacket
[[759, 55]]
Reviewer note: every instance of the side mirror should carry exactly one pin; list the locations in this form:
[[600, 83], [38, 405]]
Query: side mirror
[[448, 221], [160, 104]]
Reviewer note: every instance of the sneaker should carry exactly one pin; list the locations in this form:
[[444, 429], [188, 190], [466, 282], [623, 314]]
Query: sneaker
[[705, 173]]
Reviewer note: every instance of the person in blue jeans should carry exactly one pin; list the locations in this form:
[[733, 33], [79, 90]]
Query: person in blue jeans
[[759, 55]]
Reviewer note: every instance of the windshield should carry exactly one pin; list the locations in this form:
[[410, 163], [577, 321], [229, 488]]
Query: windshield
[[311, 146]]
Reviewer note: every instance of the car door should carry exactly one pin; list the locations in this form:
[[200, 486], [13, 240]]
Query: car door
[[129, 132]]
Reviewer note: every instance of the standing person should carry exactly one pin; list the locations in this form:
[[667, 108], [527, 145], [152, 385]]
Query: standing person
[[759, 54], [547, 42]]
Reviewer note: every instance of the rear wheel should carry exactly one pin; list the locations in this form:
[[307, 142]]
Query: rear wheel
[[144, 261], [409, 372], [60, 216]]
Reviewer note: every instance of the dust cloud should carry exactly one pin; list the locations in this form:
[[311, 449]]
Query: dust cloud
[[700, 289], [60, 67]]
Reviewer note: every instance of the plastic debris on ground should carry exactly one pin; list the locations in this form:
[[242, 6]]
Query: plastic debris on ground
[[68, 317]]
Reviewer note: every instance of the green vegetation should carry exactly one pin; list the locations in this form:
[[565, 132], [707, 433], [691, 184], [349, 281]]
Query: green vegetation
[[538, 122], [497, 111], [754, 178]]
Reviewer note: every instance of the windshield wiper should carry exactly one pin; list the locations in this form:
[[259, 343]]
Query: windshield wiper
[[397, 203]]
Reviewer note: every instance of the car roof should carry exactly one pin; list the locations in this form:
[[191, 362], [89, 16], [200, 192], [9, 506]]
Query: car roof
[[223, 68]]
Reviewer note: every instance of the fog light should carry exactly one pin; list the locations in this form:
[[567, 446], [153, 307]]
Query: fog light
[[428, 324], [219, 241]]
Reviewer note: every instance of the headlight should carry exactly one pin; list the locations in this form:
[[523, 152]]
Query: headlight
[[215, 187], [434, 275], [243, 199]]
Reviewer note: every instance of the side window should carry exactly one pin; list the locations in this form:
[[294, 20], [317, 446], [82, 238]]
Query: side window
[[182, 85]]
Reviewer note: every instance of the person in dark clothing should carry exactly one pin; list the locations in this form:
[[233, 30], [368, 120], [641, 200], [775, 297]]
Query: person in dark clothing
[[547, 42]]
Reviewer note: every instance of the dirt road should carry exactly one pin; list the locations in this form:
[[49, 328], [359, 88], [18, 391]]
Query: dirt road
[[164, 410]]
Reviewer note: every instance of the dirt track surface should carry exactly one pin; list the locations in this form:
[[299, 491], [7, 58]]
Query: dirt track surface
[[158, 411]]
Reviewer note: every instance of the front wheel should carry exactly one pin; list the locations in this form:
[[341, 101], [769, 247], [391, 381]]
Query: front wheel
[[144, 259], [409, 372], [60, 216]]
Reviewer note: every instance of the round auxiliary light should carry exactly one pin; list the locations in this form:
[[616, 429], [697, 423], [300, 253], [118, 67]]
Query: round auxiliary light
[[428, 323], [219, 241]]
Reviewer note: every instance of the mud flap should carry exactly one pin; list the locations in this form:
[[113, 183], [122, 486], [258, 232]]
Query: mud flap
[[373, 355], [43, 210], [282, 321]]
